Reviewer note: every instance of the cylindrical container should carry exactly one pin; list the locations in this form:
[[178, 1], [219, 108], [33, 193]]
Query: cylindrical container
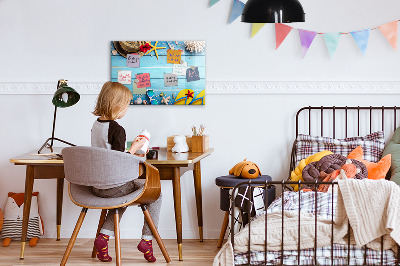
[[144, 134]]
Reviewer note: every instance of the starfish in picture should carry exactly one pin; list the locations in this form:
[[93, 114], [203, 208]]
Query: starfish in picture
[[165, 100], [154, 48], [189, 94]]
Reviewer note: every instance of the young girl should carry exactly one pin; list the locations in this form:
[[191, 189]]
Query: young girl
[[112, 104]]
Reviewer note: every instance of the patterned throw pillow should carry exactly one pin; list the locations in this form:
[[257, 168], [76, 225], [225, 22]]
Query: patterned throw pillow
[[372, 145]]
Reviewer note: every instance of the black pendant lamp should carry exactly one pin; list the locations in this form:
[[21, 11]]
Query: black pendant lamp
[[273, 11]]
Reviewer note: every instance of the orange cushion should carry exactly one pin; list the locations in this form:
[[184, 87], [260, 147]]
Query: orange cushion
[[375, 170]]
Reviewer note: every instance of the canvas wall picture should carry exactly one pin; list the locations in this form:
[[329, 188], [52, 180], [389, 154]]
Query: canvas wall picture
[[161, 72]]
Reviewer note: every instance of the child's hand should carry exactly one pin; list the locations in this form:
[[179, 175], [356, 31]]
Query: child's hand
[[137, 144], [143, 155]]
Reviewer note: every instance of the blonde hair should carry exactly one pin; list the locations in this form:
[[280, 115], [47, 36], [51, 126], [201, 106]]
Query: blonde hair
[[112, 99]]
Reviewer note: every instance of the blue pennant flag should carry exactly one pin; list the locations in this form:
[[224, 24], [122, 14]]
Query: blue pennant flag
[[213, 2], [361, 37], [332, 41], [237, 9]]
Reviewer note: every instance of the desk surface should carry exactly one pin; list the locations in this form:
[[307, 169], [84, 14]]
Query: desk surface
[[164, 157]]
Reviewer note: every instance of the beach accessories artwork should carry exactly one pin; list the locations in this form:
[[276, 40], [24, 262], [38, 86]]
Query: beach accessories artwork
[[154, 48], [150, 94], [160, 72], [195, 46]]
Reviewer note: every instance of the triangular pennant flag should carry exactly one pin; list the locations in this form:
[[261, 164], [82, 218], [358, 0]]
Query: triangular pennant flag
[[237, 9], [213, 2], [281, 31], [306, 39], [256, 28], [361, 37], [389, 30], [332, 41]]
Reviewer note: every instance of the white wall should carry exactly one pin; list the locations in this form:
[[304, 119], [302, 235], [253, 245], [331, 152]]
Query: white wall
[[43, 41]]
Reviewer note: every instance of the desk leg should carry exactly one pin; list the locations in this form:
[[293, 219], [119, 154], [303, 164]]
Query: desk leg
[[60, 190], [176, 182], [199, 204], [27, 206]]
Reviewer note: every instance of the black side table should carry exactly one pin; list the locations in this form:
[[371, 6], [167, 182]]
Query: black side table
[[226, 183]]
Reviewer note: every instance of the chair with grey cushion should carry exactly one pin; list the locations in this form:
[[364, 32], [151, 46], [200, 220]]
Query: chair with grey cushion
[[85, 167]]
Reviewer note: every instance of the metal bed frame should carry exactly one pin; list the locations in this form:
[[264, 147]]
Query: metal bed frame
[[283, 184]]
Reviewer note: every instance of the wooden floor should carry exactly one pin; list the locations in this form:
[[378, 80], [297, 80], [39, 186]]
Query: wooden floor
[[50, 252]]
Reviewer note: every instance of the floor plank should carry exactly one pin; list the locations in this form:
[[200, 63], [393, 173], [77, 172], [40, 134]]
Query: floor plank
[[49, 252]]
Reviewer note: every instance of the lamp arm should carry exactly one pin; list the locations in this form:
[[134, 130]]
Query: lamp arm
[[54, 118], [54, 126]]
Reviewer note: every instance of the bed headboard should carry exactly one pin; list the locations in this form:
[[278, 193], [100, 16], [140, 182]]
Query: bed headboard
[[344, 121], [348, 115]]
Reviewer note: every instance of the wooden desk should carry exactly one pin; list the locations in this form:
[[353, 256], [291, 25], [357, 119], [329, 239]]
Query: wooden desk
[[40, 167], [169, 165]]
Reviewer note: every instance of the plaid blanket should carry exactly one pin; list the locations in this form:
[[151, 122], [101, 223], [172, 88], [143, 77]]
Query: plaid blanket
[[340, 254], [306, 201], [323, 205]]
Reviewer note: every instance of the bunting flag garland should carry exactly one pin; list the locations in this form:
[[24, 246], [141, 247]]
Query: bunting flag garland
[[237, 9], [361, 37], [332, 41], [389, 30], [213, 2], [306, 39], [281, 31], [256, 27]]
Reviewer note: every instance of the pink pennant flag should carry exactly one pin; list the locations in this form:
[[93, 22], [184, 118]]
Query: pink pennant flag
[[389, 30], [281, 31], [306, 39]]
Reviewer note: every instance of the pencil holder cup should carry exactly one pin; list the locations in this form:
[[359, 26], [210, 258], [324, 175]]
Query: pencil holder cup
[[200, 143]]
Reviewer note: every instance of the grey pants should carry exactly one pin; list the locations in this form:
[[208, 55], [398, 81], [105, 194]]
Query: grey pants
[[154, 208]]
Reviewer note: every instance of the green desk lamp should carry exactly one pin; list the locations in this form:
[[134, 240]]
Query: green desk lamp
[[65, 96]]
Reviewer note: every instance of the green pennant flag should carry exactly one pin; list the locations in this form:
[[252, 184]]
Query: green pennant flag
[[213, 2], [332, 41], [256, 27]]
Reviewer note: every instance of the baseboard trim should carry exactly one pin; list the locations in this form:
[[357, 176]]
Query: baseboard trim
[[231, 87]]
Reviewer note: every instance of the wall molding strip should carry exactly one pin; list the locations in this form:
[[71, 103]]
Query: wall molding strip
[[232, 87]]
